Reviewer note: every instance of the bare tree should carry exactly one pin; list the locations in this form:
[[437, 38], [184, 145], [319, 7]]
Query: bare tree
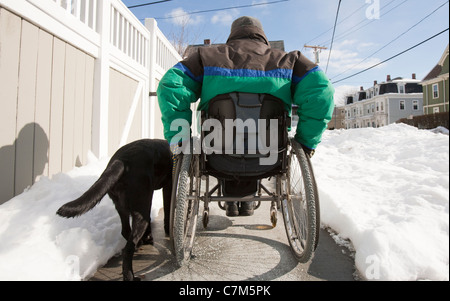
[[183, 37]]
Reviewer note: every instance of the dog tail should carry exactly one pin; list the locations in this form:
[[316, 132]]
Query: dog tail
[[95, 193]]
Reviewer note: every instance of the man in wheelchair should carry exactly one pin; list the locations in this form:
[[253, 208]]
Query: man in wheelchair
[[245, 79]]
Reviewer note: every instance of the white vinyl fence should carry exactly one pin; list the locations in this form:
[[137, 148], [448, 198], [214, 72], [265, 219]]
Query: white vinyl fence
[[75, 76]]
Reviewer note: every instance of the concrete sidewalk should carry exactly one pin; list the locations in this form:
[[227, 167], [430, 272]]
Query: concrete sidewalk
[[235, 248]]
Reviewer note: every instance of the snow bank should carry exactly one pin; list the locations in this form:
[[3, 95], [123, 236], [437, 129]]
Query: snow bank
[[36, 244], [387, 190]]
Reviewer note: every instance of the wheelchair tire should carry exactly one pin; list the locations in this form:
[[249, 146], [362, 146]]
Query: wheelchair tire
[[184, 210], [300, 205]]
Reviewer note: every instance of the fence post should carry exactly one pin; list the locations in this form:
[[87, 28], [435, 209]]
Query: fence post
[[101, 82], [151, 25]]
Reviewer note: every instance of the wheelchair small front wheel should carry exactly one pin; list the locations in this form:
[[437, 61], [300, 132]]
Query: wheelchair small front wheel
[[300, 205], [184, 209]]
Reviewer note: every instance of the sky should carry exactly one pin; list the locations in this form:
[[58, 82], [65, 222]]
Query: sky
[[384, 192], [367, 31]]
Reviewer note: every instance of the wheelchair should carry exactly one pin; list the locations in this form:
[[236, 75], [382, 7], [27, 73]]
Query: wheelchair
[[233, 161]]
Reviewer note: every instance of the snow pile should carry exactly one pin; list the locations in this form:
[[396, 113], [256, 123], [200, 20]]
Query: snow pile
[[36, 244], [385, 189]]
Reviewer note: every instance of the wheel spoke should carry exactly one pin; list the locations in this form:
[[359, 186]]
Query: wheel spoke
[[298, 207], [186, 211]]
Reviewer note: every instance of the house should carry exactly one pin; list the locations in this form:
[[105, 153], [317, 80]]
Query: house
[[338, 119], [436, 87], [384, 103]]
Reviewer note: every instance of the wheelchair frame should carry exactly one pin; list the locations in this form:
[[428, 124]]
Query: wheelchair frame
[[300, 205]]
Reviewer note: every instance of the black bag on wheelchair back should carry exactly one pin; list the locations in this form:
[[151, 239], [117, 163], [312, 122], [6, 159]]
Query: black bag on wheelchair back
[[239, 155]]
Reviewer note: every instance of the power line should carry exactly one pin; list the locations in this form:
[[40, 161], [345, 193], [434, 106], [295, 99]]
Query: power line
[[348, 33], [334, 31], [394, 39], [149, 3], [220, 9], [394, 56], [356, 28], [331, 28]]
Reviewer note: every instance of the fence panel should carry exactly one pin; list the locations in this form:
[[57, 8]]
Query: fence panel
[[10, 28], [66, 68], [26, 106], [429, 121], [43, 102], [56, 107]]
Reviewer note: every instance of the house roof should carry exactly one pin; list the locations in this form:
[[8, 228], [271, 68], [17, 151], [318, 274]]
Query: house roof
[[438, 69], [444, 55], [433, 73]]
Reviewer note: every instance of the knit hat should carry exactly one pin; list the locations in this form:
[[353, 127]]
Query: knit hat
[[246, 21]]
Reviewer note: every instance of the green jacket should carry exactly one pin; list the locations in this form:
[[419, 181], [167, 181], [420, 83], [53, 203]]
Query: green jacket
[[246, 63]]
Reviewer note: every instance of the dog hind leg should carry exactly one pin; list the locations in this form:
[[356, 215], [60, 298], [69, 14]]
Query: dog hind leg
[[138, 228], [125, 220], [167, 194], [120, 202], [147, 238], [140, 205], [145, 208]]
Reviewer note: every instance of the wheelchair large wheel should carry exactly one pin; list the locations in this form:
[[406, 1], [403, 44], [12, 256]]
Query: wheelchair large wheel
[[184, 209], [300, 204]]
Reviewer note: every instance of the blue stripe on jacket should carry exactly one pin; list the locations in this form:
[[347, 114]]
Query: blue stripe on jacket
[[188, 72], [219, 71], [297, 79]]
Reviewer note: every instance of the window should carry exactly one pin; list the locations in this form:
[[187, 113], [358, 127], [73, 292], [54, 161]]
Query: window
[[435, 91], [413, 88], [388, 88], [435, 110], [415, 105], [402, 104], [381, 106], [362, 96], [401, 89]]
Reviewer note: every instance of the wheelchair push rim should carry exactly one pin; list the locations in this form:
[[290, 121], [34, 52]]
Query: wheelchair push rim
[[300, 205], [184, 209]]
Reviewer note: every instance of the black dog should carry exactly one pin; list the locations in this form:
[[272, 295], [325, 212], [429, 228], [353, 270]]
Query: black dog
[[132, 174]]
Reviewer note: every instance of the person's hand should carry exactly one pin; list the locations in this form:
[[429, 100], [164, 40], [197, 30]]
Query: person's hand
[[175, 148], [308, 151]]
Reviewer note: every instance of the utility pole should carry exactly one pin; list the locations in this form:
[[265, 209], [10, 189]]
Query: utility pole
[[316, 51]]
